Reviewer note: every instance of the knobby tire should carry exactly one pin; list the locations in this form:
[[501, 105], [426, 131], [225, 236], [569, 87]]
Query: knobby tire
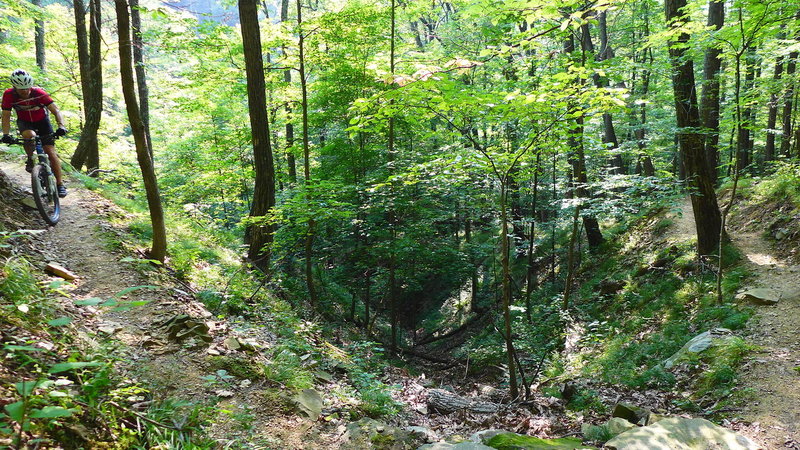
[[45, 194]]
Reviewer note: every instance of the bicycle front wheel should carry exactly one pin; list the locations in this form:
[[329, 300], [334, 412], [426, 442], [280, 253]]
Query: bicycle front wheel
[[45, 193]]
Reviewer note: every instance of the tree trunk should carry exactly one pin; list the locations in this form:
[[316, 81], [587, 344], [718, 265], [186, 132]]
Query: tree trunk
[[39, 38], [772, 115], [291, 163], [159, 249], [744, 145], [138, 64], [698, 174], [260, 235], [392, 218], [616, 165], [309, 241], [788, 98], [578, 158], [506, 284], [531, 273], [709, 98], [90, 64]]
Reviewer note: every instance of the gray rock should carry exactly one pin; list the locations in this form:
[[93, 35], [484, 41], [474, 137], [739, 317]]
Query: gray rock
[[760, 296], [698, 344], [423, 433], [369, 433], [482, 436], [618, 425], [630, 413], [232, 343], [309, 403], [681, 434]]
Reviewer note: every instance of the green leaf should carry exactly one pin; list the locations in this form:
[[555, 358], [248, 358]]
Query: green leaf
[[16, 411], [63, 367], [60, 322], [129, 305], [50, 412], [26, 387], [22, 348], [94, 301]]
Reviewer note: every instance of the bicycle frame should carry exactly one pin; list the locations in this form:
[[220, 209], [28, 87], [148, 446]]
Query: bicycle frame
[[43, 182]]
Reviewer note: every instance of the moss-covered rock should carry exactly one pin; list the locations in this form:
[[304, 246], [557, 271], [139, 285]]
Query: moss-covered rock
[[513, 441]]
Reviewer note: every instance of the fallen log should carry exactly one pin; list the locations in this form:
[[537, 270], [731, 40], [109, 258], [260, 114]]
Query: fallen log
[[447, 402]]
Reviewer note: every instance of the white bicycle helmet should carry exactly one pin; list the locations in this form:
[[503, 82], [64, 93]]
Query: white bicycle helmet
[[21, 79]]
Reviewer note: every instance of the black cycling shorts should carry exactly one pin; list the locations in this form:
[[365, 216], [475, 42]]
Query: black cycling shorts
[[43, 128]]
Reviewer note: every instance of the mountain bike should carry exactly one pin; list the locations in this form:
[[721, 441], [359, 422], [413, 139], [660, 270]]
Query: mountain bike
[[43, 182]]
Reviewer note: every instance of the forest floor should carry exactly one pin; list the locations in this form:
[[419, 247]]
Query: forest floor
[[84, 243], [772, 374]]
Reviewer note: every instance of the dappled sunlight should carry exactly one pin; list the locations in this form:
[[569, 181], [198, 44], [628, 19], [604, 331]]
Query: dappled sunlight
[[762, 259]]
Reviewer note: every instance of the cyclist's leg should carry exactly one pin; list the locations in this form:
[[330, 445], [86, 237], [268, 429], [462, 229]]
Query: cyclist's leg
[[48, 144], [28, 132]]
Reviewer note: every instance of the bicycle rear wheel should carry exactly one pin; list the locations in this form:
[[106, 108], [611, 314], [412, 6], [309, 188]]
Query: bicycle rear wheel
[[45, 193]]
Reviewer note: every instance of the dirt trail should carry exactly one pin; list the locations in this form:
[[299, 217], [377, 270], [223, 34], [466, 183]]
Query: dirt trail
[[772, 373], [86, 243], [83, 242]]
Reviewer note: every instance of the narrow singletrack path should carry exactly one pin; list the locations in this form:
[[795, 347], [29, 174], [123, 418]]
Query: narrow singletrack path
[[773, 374], [87, 243]]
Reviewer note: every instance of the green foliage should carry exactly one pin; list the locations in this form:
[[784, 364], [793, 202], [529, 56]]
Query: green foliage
[[20, 290], [597, 433], [286, 367], [141, 229], [375, 396], [185, 421], [654, 314], [724, 359], [784, 184], [240, 367], [587, 400]]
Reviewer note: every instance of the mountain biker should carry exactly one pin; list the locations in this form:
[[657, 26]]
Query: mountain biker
[[33, 105]]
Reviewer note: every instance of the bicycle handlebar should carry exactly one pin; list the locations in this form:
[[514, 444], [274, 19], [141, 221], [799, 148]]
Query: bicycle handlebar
[[23, 141]]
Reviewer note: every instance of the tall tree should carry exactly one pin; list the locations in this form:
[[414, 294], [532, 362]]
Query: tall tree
[[259, 234], [90, 60], [392, 214], [744, 119], [138, 64], [39, 37], [710, 95], [772, 115], [289, 127], [309, 241], [690, 137], [577, 156], [143, 154], [788, 96]]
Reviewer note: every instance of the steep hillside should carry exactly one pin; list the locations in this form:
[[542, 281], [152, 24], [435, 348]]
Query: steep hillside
[[128, 355]]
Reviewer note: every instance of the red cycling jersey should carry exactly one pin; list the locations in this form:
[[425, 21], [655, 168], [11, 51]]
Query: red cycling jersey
[[31, 109]]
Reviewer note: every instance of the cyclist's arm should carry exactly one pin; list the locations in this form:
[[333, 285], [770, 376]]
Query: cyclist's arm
[[6, 121], [57, 113]]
